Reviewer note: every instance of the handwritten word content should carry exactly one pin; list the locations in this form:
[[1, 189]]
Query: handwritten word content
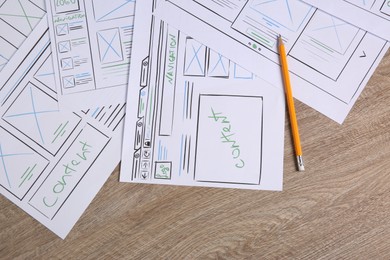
[[228, 137], [69, 170]]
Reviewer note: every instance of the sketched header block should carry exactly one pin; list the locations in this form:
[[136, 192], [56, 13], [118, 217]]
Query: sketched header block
[[113, 9]]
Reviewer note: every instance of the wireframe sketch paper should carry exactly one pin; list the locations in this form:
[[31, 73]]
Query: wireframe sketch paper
[[52, 161], [91, 48], [196, 117], [371, 15], [330, 61], [17, 20]]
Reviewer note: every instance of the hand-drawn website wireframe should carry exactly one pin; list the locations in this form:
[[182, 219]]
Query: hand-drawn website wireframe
[[17, 19], [371, 15], [197, 118], [52, 161], [330, 61], [92, 44]]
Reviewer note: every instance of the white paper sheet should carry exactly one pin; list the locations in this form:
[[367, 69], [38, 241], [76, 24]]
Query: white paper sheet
[[196, 117], [52, 161], [371, 15], [329, 67], [17, 20], [91, 48]]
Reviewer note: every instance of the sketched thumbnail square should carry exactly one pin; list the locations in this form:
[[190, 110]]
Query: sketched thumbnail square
[[195, 58], [110, 47], [68, 82], [64, 46], [62, 29], [67, 63]]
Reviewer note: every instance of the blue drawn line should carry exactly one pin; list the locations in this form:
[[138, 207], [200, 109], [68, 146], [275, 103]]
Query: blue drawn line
[[165, 153], [4, 167], [195, 57], [337, 34], [185, 99], [329, 26], [94, 112], [45, 74], [81, 75], [115, 9], [265, 2], [159, 150], [219, 62], [128, 27], [181, 154], [73, 23], [109, 46], [289, 10], [35, 115], [270, 23], [32, 113]]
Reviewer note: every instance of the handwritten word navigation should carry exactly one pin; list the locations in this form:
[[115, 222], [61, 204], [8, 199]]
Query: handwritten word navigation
[[171, 58]]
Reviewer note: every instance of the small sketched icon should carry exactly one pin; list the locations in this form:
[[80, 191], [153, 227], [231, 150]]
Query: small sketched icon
[[145, 165], [144, 175], [147, 154], [64, 46], [67, 63], [62, 29], [69, 82]]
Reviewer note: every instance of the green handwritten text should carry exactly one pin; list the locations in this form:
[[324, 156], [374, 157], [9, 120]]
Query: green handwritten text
[[171, 63], [69, 170], [228, 137]]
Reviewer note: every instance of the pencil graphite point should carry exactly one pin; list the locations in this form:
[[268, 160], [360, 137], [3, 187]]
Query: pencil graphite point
[[280, 40], [301, 165]]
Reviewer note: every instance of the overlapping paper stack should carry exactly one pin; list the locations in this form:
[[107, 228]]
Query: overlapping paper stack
[[205, 102]]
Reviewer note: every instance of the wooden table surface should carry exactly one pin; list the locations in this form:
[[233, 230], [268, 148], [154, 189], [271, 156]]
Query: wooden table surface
[[338, 208]]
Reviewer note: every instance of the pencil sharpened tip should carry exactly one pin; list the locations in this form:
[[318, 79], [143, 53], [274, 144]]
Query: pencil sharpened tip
[[301, 165], [280, 40]]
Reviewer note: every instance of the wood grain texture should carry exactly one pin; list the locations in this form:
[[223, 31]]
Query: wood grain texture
[[339, 208]]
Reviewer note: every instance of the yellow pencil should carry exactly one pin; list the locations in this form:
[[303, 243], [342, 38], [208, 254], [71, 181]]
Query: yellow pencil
[[290, 104]]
